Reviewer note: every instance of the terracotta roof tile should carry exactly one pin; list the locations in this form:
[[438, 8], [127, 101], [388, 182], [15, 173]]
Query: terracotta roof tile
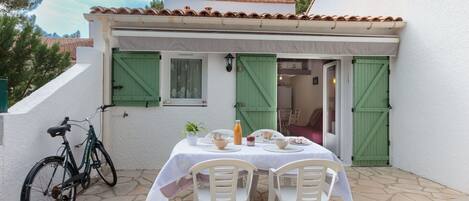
[[208, 12], [69, 44]]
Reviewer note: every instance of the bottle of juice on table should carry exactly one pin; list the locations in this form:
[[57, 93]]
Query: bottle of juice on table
[[237, 132]]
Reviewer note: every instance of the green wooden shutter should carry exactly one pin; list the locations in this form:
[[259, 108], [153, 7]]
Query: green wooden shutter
[[256, 92], [371, 111], [136, 78]]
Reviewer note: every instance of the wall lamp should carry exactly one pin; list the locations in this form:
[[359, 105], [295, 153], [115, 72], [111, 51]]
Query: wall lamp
[[229, 62]]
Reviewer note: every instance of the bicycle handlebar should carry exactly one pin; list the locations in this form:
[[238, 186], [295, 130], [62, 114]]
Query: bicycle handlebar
[[65, 121]]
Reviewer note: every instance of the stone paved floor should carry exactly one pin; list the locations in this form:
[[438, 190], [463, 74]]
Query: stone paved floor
[[368, 184]]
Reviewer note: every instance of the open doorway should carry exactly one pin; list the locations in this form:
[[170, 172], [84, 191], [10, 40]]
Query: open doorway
[[306, 100]]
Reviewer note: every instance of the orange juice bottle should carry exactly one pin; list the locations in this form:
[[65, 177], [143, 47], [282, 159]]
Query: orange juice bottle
[[238, 133]]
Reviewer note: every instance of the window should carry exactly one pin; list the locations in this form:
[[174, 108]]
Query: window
[[185, 80]]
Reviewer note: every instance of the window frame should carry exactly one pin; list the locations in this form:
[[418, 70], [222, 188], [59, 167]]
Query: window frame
[[166, 67]]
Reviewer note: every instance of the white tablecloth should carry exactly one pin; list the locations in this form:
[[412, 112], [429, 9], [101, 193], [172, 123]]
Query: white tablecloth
[[183, 157]]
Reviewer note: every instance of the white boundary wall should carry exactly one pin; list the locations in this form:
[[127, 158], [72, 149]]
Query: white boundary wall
[[75, 93]]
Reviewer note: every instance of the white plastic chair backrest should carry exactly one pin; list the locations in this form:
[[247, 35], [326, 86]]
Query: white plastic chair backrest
[[294, 117], [275, 134], [311, 178], [227, 133], [223, 175]]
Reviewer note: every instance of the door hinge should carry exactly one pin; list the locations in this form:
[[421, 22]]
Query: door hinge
[[118, 87], [160, 56], [389, 106], [389, 71], [353, 109], [389, 143], [159, 99], [354, 61], [352, 158]]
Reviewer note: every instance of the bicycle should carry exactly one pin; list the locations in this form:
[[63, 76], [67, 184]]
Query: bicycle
[[57, 177]]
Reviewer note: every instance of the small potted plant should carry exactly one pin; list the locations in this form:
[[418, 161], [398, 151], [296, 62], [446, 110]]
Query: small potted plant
[[191, 129]]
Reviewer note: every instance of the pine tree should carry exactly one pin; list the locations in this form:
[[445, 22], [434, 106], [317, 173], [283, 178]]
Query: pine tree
[[25, 60], [302, 6], [16, 5], [156, 4]]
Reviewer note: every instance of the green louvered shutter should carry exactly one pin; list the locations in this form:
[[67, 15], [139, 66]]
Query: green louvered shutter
[[136, 78], [256, 92], [370, 111]]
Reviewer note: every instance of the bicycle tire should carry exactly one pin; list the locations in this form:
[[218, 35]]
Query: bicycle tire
[[112, 180], [26, 188]]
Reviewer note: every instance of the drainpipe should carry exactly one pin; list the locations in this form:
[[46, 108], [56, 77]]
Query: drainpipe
[[107, 84]]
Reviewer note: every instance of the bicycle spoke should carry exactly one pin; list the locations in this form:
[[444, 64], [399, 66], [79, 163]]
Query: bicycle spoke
[[48, 178]]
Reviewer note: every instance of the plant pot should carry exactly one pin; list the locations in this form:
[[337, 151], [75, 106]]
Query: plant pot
[[192, 140]]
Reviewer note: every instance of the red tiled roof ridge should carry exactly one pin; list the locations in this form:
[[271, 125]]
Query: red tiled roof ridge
[[208, 12], [68, 44]]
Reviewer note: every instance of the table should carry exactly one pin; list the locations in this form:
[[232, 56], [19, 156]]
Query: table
[[183, 157]]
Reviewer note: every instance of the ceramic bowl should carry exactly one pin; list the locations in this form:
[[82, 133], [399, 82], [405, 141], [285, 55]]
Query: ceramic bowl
[[220, 143], [281, 143], [267, 135]]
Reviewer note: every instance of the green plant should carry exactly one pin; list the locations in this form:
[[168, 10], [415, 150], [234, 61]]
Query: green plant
[[192, 128], [25, 60], [302, 6], [156, 4], [15, 5]]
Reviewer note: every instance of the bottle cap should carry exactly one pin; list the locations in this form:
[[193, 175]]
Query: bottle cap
[[238, 121]]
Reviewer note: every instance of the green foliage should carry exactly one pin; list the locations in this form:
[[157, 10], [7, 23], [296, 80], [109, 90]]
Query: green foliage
[[25, 60], [14, 5], [192, 128], [156, 4], [302, 6]]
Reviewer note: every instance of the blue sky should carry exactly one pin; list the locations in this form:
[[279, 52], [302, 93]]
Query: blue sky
[[66, 16]]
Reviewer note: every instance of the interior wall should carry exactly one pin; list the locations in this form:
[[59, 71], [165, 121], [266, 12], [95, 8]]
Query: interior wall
[[428, 85], [306, 96]]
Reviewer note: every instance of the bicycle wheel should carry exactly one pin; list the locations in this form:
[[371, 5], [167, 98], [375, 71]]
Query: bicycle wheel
[[103, 164], [44, 181]]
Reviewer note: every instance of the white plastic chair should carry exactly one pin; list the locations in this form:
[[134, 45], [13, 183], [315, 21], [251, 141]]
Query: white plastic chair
[[259, 138], [294, 117], [223, 179], [283, 119], [311, 182]]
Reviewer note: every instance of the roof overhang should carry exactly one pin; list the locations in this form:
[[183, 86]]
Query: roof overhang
[[250, 25]]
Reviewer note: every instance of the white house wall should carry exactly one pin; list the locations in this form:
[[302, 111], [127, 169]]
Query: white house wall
[[75, 93], [429, 85], [224, 6], [145, 138]]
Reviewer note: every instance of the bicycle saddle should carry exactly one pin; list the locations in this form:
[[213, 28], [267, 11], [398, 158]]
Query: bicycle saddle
[[58, 130]]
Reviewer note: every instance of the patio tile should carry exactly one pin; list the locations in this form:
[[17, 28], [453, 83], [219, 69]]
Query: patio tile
[[367, 184]]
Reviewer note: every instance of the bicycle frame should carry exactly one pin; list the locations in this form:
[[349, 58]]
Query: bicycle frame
[[91, 140], [85, 165]]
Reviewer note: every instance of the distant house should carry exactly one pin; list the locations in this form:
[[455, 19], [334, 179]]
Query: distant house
[[69, 44], [247, 6]]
